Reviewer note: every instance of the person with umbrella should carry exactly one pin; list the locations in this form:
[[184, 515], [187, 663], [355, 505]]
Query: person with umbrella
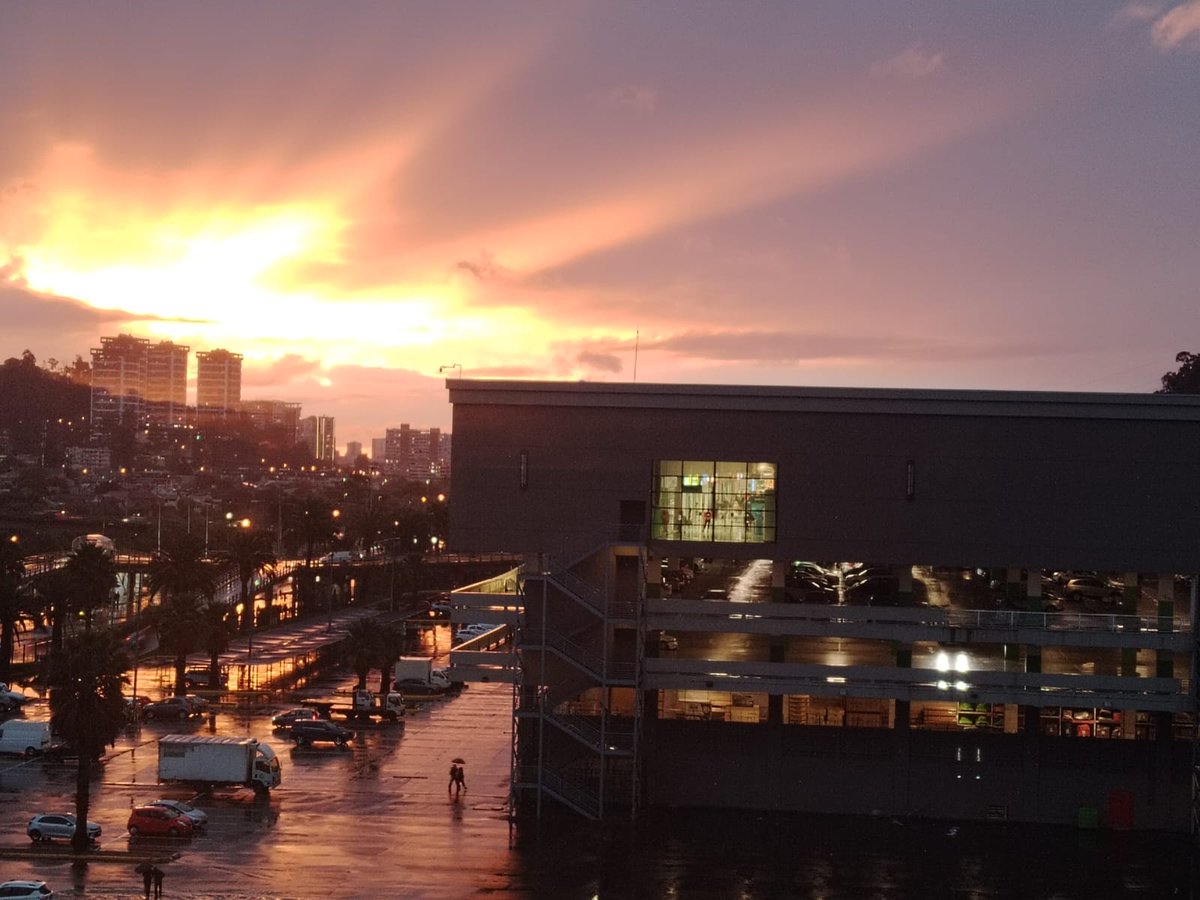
[[145, 871], [458, 780]]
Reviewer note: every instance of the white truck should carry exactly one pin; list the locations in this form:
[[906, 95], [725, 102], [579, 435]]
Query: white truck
[[364, 705], [207, 760], [416, 675]]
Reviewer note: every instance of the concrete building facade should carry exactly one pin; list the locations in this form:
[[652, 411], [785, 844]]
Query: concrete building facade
[[955, 604], [317, 432], [218, 384], [166, 383], [119, 367]]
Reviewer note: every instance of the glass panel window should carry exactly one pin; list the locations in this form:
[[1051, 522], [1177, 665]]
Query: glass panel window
[[709, 500]]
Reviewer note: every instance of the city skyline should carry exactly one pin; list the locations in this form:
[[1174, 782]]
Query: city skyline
[[861, 195]]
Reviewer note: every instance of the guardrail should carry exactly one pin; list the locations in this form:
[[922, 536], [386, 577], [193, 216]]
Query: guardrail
[[592, 663]]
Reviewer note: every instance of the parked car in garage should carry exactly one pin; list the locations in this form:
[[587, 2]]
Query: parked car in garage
[[1091, 589]]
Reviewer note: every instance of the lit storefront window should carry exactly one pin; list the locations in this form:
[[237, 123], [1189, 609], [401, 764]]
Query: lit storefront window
[[724, 502]]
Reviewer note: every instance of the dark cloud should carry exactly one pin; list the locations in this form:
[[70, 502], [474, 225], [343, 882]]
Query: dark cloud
[[485, 268], [50, 325], [604, 362], [798, 347]]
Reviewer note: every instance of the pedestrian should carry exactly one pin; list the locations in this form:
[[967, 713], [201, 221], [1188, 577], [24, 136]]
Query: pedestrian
[[158, 880], [460, 780], [453, 777], [145, 870]]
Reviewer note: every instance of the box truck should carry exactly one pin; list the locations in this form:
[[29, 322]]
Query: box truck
[[207, 760], [416, 675]]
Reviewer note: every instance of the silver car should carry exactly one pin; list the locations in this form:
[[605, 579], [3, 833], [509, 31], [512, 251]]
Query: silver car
[[48, 826], [198, 817]]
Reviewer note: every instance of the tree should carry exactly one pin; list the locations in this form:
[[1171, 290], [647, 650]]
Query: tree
[[185, 583], [249, 552], [91, 577], [16, 599], [1185, 380], [52, 594], [86, 707], [313, 524], [362, 649]]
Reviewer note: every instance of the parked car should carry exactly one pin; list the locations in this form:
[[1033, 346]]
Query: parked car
[[48, 826], [811, 571], [158, 821], [1090, 589], [667, 641], [198, 817], [169, 708], [196, 678], [11, 699], [320, 731], [25, 890], [809, 590], [873, 589], [290, 717]]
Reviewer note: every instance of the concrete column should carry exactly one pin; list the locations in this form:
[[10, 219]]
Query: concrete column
[[1130, 594], [653, 577], [905, 579], [1014, 593], [902, 710], [1033, 666], [1164, 665], [775, 701], [779, 570], [1033, 590]]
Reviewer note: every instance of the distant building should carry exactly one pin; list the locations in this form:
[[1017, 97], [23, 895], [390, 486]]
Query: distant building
[[166, 383], [95, 459], [377, 450], [119, 381], [218, 384], [265, 413], [317, 433], [354, 450], [416, 454]]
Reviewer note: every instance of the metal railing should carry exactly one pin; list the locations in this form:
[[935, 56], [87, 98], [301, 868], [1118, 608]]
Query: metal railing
[[591, 663]]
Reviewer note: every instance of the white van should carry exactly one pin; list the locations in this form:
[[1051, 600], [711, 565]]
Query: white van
[[25, 737]]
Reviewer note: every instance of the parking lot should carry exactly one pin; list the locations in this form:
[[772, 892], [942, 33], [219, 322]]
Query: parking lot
[[372, 819]]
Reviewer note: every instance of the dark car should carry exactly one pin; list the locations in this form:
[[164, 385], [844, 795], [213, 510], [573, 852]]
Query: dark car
[[169, 708], [809, 590], [290, 717], [1090, 589], [320, 731], [873, 589]]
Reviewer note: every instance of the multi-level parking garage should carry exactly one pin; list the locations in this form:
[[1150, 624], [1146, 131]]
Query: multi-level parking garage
[[1021, 644]]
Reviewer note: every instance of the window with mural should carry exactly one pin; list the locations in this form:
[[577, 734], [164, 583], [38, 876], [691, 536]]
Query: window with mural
[[705, 500]]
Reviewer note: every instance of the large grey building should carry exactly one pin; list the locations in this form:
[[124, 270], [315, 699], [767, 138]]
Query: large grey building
[[959, 604]]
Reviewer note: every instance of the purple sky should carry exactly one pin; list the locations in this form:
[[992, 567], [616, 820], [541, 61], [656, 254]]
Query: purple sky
[[354, 195]]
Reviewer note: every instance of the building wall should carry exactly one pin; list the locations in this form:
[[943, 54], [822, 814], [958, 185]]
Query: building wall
[[1022, 488], [218, 383]]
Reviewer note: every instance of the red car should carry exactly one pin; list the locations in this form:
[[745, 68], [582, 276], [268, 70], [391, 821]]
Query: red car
[[158, 820]]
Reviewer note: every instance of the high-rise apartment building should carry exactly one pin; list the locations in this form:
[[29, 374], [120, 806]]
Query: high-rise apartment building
[[378, 446], [267, 413], [119, 381], [317, 433], [354, 450], [166, 383], [415, 453], [218, 384]]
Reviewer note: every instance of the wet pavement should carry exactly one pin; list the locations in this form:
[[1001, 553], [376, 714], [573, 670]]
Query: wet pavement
[[376, 820]]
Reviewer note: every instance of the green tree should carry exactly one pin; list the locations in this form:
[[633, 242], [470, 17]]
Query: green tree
[[1184, 380], [53, 592], [185, 582], [86, 707], [216, 632], [392, 638]]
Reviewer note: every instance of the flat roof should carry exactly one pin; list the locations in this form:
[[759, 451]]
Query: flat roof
[[858, 401]]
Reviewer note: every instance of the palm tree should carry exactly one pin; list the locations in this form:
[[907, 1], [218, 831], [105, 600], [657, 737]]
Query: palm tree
[[362, 649], [391, 638], [91, 577], [15, 600], [249, 552], [216, 632], [86, 707], [185, 583], [53, 593], [314, 524]]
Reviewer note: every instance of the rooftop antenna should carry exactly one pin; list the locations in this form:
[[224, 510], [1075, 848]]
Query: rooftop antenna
[[442, 369], [636, 337]]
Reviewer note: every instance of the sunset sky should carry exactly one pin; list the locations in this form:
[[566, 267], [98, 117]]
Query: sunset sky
[[353, 195]]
